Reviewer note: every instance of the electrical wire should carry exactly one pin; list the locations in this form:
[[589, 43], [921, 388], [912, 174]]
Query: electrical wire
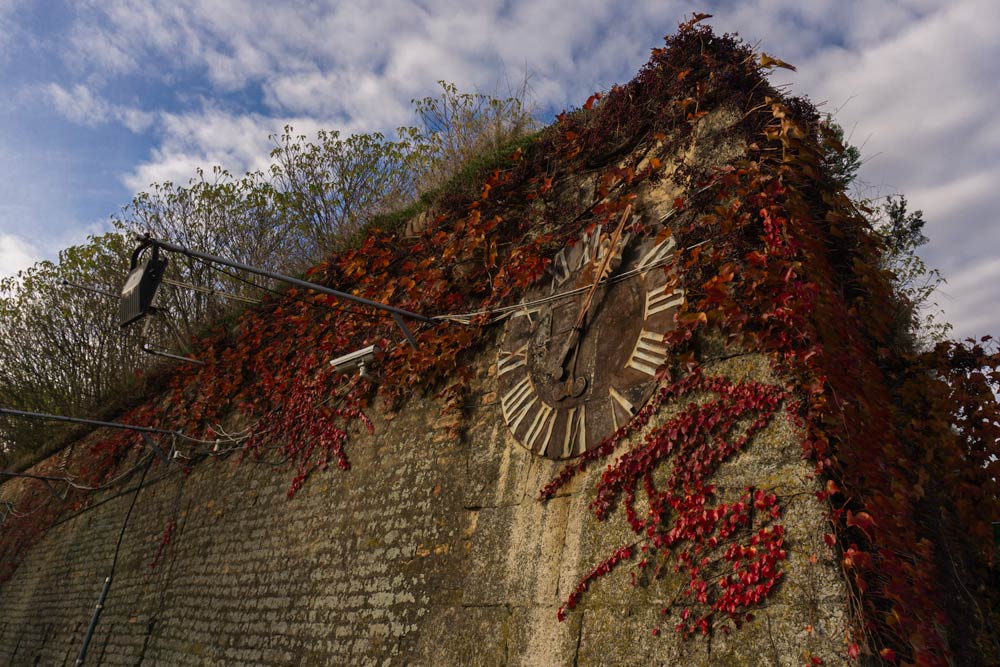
[[171, 470], [69, 481], [128, 515], [166, 281], [499, 313], [114, 564], [234, 276], [209, 290], [107, 485], [503, 312]]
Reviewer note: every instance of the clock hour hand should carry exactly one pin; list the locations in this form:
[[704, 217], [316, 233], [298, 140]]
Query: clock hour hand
[[557, 371]]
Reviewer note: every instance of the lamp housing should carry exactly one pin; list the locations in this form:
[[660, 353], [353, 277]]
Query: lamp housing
[[140, 288]]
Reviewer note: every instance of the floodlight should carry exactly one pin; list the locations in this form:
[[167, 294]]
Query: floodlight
[[140, 286], [136, 303]]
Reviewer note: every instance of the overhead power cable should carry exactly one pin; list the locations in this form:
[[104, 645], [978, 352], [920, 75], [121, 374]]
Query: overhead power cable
[[141, 273], [209, 290], [335, 309], [116, 425], [168, 281], [114, 564], [503, 312]]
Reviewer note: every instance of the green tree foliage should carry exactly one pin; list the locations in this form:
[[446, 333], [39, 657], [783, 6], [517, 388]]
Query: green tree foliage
[[326, 191], [455, 127], [902, 234], [844, 161], [61, 348], [918, 320]]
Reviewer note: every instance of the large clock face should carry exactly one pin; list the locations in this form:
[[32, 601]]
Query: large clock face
[[571, 370]]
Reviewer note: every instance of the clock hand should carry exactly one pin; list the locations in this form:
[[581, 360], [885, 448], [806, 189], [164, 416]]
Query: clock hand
[[558, 368]]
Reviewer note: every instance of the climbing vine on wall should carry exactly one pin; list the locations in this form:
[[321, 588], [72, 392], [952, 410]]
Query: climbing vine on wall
[[774, 258], [680, 521]]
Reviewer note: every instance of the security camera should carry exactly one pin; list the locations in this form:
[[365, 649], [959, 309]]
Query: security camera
[[358, 359]]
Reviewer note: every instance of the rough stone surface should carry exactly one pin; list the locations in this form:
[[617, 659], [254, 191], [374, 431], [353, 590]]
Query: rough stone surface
[[431, 550]]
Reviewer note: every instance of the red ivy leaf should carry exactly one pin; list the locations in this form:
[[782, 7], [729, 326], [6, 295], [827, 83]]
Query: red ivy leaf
[[862, 520]]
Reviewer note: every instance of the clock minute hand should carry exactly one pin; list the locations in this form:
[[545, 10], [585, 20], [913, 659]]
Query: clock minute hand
[[558, 369]]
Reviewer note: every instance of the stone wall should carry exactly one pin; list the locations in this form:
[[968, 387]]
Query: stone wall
[[431, 550]]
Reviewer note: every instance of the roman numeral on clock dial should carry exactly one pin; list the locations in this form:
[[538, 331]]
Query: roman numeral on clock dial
[[649, 353], [542, 422], [575, 437], [620, 404], [560, 270], [536, 424], [659, 300], [508, 361], [530, 313], [658, 253], [517, 399]]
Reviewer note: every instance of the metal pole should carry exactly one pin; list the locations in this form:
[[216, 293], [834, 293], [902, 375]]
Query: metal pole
[[87, 288], [397, 312], [114, 565], [93, 622], [176, 357], [148, 350]]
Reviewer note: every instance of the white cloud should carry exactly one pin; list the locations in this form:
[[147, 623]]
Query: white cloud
[[364, 62], [135, 120], [208, 138], [16, 254], [355, 67], [81, 106], [915, 81], [917, 85], [8, 26], [969, 298]]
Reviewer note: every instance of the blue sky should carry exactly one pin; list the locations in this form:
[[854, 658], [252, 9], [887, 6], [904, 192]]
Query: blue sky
[[102, 98]]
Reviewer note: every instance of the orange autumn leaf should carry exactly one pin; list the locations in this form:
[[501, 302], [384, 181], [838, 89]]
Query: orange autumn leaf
[[768, 62], [693, 318], [589, 104]]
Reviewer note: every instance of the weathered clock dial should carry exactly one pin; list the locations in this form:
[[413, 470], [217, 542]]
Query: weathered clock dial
[[577, 362]]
